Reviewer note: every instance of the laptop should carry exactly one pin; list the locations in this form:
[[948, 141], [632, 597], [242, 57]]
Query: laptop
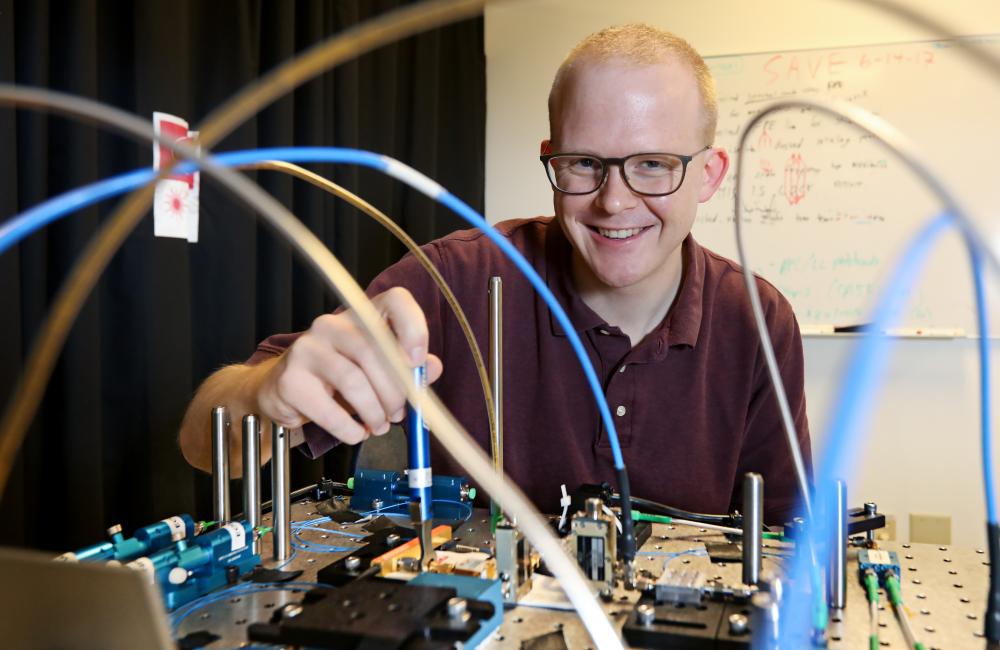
[[46, 605]]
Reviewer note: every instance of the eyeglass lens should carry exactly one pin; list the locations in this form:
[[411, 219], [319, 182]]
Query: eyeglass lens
[[646, 173]]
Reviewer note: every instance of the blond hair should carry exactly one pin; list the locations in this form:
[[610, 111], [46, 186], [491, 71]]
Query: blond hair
[[644, 45]]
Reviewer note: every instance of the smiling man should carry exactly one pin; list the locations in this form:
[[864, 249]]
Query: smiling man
[[667, 323]]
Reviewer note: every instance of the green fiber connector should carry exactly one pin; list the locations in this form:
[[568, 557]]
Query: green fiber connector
[[472, 493], [873, 642], [871, 585], [656, 519], [892, 588], [350, 483], [264, 530], [919, 646], [776, 536], [206, 524]]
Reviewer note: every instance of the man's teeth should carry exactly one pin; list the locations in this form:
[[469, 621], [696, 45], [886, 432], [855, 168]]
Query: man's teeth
[[619, 234]]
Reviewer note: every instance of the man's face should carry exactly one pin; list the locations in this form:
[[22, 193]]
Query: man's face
[[613, 109]]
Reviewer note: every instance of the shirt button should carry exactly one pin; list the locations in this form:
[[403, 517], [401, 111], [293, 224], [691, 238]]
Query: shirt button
[[621, 411]]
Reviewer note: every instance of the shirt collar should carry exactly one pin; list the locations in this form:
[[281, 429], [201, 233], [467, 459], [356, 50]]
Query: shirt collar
[[683, 321]]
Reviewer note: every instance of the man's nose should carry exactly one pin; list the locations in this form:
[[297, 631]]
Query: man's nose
[[615, 196]]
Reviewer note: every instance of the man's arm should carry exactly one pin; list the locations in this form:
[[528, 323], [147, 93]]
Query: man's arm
[[235, 387], [331, 375]]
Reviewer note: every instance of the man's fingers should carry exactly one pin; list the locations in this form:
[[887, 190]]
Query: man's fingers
[[353, 344], [351, 383], [434, 368], [314, 401], [407, 320], [333, 370]]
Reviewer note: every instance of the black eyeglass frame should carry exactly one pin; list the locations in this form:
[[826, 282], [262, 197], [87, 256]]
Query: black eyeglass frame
[[607, 163]]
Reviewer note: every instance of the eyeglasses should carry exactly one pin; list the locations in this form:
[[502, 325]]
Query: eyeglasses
[[649, 174]]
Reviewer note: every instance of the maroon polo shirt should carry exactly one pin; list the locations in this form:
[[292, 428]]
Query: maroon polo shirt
[[692, 401]]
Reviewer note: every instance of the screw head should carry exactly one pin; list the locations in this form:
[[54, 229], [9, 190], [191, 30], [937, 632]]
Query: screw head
[[738, 623], [177, 576], [392, 539], [457, 608], [352, 563], [291, 610], [646, 614]]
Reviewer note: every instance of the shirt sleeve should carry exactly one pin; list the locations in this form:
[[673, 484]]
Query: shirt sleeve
[[765, 447], [407, 273]]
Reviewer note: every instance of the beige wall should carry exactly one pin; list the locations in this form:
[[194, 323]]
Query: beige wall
[[923, 450]]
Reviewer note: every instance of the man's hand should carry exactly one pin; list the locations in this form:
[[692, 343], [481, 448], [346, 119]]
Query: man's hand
[[332, 372]]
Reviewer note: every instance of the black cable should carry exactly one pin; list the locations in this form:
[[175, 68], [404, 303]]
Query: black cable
[[298, 494], [655, 508], [992, 623], [628, 533]]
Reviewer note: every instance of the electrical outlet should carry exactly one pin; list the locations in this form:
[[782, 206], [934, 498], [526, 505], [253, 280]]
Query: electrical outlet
[[930, 529]]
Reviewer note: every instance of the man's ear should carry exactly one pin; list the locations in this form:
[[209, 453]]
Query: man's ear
[[546, 147], [713, 171]]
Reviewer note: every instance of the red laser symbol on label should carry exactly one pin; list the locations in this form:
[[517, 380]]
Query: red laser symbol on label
[[795, 179], [175, 202]]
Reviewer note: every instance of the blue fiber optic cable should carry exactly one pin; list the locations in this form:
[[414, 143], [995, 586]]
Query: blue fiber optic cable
[[867, 365], [181, 614], [311, 546], [37, 217], [991, 621], [985, 404], [314, 547], [420, 182], [869, 356], [333, 531], [46, 213], [852, 407], [384, 511], [435, 191], [291, 557]]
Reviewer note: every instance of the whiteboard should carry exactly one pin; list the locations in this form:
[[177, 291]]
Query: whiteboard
[[828, 210]]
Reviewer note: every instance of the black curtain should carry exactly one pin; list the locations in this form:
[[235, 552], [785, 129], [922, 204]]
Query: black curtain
[[103, 447]]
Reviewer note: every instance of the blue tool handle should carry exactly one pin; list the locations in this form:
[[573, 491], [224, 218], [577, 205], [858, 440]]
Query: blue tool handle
[[419, 453]]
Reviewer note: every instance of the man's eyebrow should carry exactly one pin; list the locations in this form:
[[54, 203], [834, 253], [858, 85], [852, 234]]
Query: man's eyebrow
[[585, 152]]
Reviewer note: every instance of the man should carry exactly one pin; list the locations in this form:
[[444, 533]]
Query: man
[[667, 324]]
